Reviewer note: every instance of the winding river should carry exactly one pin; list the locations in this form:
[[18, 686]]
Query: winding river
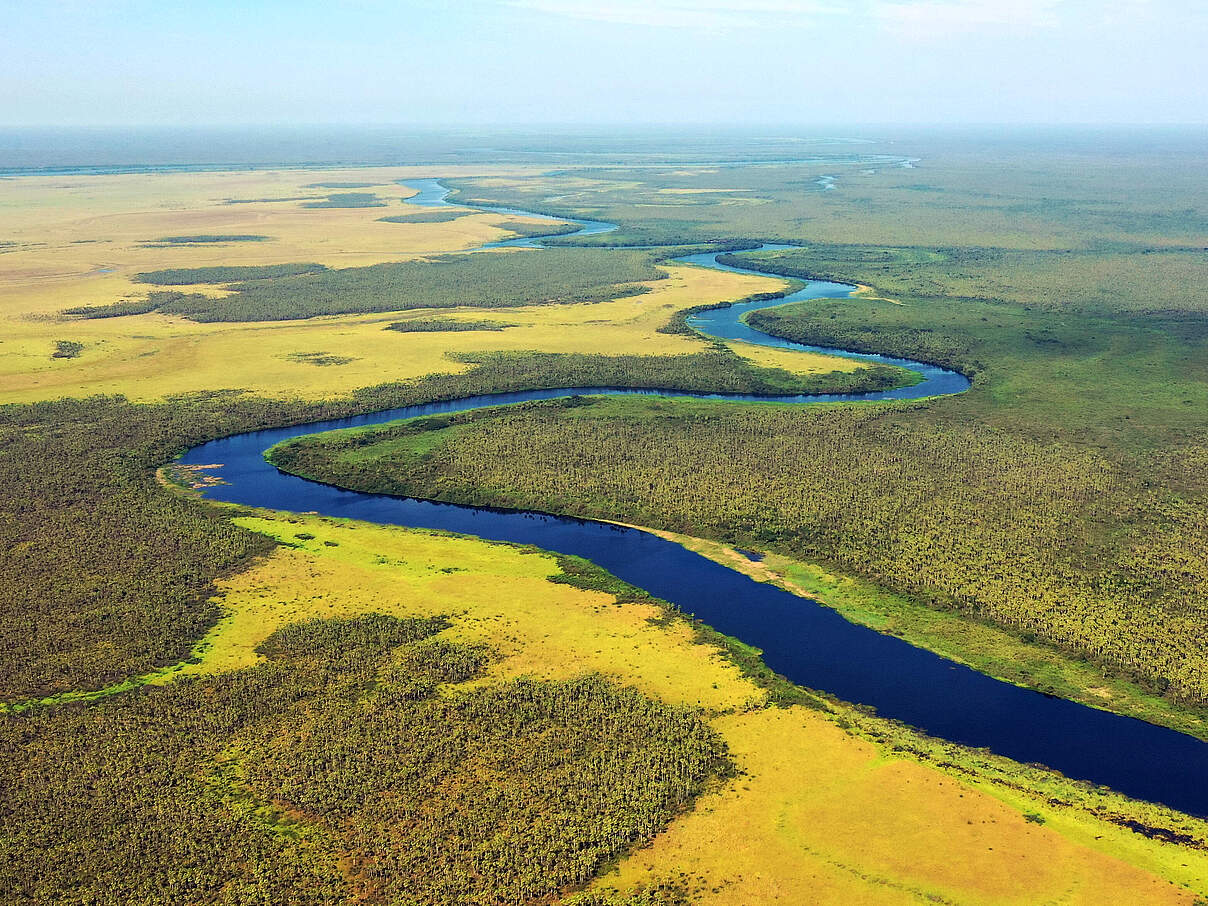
[[805, 641]]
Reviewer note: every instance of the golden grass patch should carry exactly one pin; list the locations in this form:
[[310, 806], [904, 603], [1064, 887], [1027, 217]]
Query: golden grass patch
[[821, 817], [794, 360], [79, 240], [867, 292], [815, 814], [495, 594], [147, 357]]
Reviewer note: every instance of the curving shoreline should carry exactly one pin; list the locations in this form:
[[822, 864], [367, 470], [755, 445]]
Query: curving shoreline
[[806, 642]]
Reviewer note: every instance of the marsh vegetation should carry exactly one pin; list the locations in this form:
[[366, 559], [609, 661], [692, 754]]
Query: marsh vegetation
[[289, 291], [108, 575], [1061, 503], [1061, 498], [347, 766]]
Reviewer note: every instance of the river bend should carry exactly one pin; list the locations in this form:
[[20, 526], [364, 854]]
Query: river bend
[[810, 644]]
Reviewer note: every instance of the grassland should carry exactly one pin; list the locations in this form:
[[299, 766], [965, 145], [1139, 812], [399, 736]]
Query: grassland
[[80, 240], [955, 833], [111, 578], [1061, 500], [499, 280], [152, 356], [64, 234], [106, 574]]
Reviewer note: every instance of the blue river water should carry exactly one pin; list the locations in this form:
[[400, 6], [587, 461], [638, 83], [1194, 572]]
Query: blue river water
[[808, 643]]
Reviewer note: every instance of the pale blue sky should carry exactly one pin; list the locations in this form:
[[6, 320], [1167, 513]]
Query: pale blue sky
[[70, 62]]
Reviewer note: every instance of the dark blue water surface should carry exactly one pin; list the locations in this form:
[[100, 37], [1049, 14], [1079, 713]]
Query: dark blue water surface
[[432, 193], [728, 324], [806, 642]]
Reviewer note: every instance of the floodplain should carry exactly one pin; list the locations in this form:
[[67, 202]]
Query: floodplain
[[1079, 322]]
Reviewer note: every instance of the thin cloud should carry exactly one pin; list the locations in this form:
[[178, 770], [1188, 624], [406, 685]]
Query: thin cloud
[[915, 20], [685, 13], [1127, 12], [943, 18]]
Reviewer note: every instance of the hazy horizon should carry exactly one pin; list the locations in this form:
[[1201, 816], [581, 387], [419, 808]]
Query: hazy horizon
[[576, 63], [132, 148]]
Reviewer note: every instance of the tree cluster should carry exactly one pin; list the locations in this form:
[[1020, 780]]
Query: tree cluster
[[347, 767]]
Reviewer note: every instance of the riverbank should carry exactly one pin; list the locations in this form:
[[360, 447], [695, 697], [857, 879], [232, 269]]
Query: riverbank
[[812, 646], [953, 823], [987, 648]]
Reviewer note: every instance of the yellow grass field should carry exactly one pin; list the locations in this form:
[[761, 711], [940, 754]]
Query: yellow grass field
[[815, 815], [79, 240]]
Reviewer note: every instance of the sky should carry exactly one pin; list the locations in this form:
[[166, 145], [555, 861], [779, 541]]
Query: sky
[[601, 62]]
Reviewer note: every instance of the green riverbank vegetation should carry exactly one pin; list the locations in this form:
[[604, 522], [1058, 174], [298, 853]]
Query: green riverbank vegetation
[[107, 575]]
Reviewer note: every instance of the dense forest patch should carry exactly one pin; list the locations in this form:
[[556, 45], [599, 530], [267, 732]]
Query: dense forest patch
[[67, 349], [105, 575], [265, 200], [114, 309], [287, 291], [183, 276], [336, 771], [320, 358]]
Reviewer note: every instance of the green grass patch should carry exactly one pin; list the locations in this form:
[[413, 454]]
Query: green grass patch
[[437, 215], [348, 200], [67, 349], [444, 325], [206, 239]]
